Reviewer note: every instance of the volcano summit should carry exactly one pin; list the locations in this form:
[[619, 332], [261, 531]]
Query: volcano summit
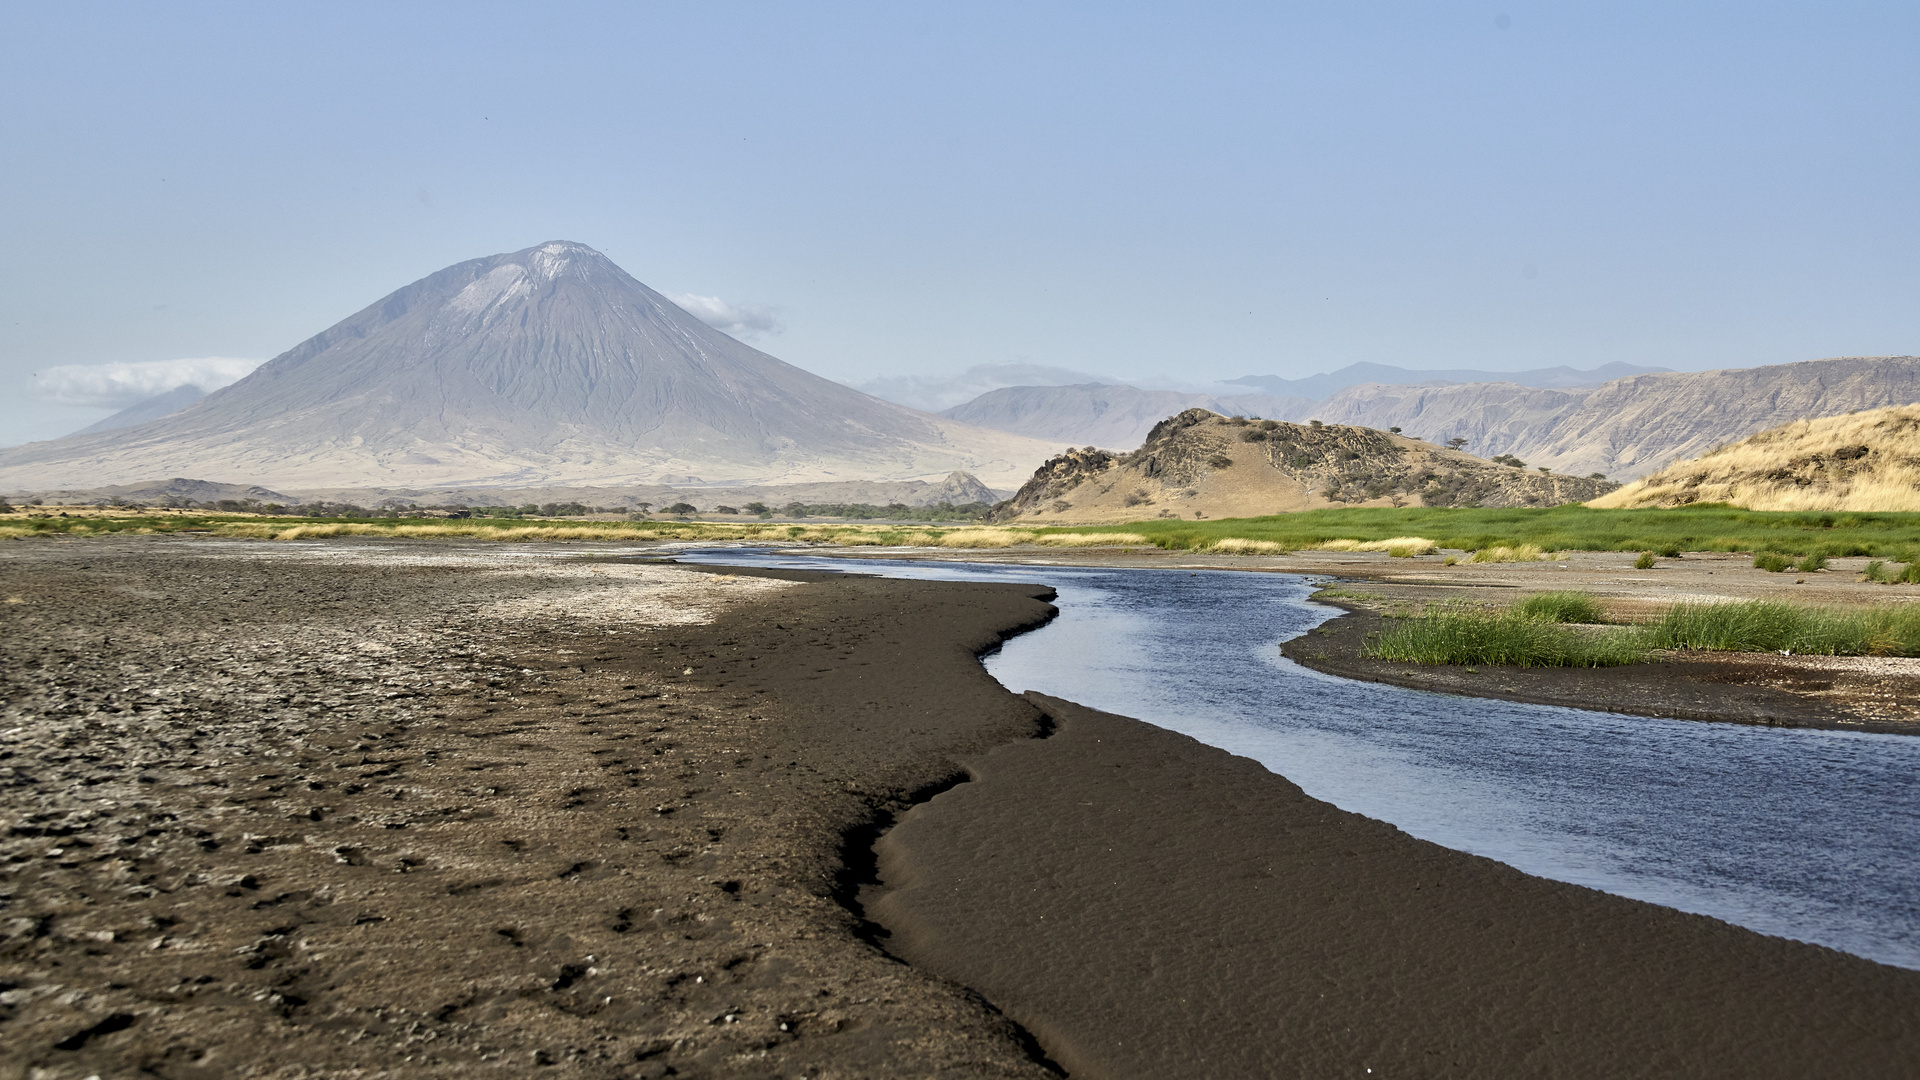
[[544, 366]]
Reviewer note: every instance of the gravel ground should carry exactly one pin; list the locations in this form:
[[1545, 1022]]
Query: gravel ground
[[408, 809]]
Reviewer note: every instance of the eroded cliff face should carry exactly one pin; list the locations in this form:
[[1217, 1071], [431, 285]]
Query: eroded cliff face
[[1199, 464]]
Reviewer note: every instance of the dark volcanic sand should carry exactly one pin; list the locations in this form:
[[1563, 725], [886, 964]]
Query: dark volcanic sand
[[293, 811], [1153, 907], [1743, 688]]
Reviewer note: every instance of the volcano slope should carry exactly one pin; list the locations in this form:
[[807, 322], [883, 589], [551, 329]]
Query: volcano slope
[[534, 368], [1200, 464]]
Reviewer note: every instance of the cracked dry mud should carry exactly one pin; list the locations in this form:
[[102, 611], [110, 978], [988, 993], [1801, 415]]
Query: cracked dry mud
[[390, 809]]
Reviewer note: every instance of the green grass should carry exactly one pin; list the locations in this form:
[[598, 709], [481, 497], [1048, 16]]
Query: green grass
[[1708, 527], [1561, 607], [1526, 635], [1773, 626], [1644, 562], [1770, 562], [1507, 638]]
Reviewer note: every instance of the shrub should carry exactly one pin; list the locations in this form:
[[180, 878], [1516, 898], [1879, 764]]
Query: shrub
[[1771, 563], [1459, 637], [1811, 563], [1561, 607], [1220, 461], [1644, 562], [1876, 571]]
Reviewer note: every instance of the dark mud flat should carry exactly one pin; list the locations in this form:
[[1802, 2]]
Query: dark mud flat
[[1153, 907], [292, 818], [1743, 689]]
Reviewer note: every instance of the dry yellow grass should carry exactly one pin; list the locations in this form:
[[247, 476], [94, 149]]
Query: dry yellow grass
[[1864, 461], [1516, 553], [1234, 545], [1408, 545]]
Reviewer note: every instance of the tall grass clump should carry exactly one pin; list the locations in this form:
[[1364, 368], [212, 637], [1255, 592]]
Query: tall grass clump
[[1509, 553], [1644, 562], [1560, 607], [1771, 563], [1811, 563], [1234, 545], [1399, 547], [1508, 638], [1772, 626]]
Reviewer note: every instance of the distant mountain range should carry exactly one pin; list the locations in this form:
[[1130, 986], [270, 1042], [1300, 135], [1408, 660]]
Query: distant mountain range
[[1623, 428], [540, 367], [1321, 387]]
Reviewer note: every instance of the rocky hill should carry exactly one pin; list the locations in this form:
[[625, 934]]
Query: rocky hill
[[544, 366], [1200, 464], [1861, 461]]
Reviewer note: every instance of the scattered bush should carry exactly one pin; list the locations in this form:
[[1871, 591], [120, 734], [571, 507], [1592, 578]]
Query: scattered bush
[[1771, 563], [1561, 607], [1644, 562], [1221, 461]]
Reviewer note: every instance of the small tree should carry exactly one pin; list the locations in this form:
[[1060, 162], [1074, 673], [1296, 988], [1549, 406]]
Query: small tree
[[1395, 430], [1456, 444], [757, 508], [681, 508]]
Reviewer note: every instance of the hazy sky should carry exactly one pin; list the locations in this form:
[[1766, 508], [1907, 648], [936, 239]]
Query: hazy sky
[[1189, 191]]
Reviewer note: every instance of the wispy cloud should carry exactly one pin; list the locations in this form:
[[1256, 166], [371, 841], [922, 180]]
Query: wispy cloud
[[739, 320], [116, 386], [936, 392]]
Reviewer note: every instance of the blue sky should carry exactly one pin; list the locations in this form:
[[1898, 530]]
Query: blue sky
[[1144, 190]]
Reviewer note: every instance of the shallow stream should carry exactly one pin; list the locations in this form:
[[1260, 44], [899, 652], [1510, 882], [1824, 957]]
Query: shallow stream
[[1813, 835]]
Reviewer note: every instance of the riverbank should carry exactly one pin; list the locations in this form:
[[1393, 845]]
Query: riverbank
[[427, 808], [1880, 694]]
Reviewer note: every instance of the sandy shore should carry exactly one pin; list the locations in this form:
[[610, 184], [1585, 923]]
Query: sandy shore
[[403, 809]]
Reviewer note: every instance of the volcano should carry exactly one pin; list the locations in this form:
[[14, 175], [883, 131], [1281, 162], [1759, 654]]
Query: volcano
[[544, 366]]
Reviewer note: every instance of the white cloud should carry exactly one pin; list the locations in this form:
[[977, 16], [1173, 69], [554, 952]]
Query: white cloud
[[116, 386], [740, 320]]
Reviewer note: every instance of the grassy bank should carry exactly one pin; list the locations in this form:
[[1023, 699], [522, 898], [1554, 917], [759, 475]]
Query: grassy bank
[[1493, 534], [1562, 528], [1533, 632]]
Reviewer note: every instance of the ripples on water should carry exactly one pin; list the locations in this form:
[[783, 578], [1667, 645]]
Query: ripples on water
[[1804, 834]]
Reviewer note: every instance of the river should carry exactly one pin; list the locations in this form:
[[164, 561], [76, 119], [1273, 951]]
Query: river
[[1811, 835]]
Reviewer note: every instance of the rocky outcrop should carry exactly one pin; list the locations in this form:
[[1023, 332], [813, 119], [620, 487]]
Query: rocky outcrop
[[1200, 464]]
